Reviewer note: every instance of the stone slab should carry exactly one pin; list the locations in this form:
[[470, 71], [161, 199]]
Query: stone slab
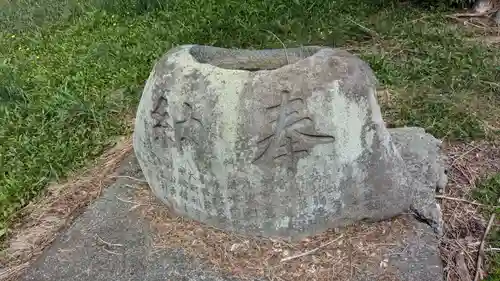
[[77, 254]]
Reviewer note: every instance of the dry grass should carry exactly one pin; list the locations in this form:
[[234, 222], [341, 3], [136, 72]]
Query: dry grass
[[464, 225], [42, 220], [361, 249], [480, 27]]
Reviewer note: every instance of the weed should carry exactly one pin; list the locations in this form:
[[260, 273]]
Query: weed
[[488, 192]]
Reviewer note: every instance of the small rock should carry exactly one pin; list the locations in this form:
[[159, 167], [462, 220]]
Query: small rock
[[482, 6], [384, 263], [200, 232], [496, 17]]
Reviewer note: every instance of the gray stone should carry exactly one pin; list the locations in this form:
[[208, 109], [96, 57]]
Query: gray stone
[[414, 256], [418, 259], [496, 17], [78, 255], [269, 142], [482, 6], [423, 156], [427, 165]]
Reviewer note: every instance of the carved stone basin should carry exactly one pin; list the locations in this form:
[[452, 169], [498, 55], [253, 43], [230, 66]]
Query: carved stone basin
[[269, 142]]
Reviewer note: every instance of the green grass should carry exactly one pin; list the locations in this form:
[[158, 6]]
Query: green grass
[[70, 72], [488, 193]]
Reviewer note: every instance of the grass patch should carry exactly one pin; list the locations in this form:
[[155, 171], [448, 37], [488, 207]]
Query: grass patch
[[488, 192], [70, 71]]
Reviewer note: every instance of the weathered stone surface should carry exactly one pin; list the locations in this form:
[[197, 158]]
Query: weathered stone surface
[[78, 255], [418, 258], [427, 166], [269, 142], [422, 153], [496, 17]]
